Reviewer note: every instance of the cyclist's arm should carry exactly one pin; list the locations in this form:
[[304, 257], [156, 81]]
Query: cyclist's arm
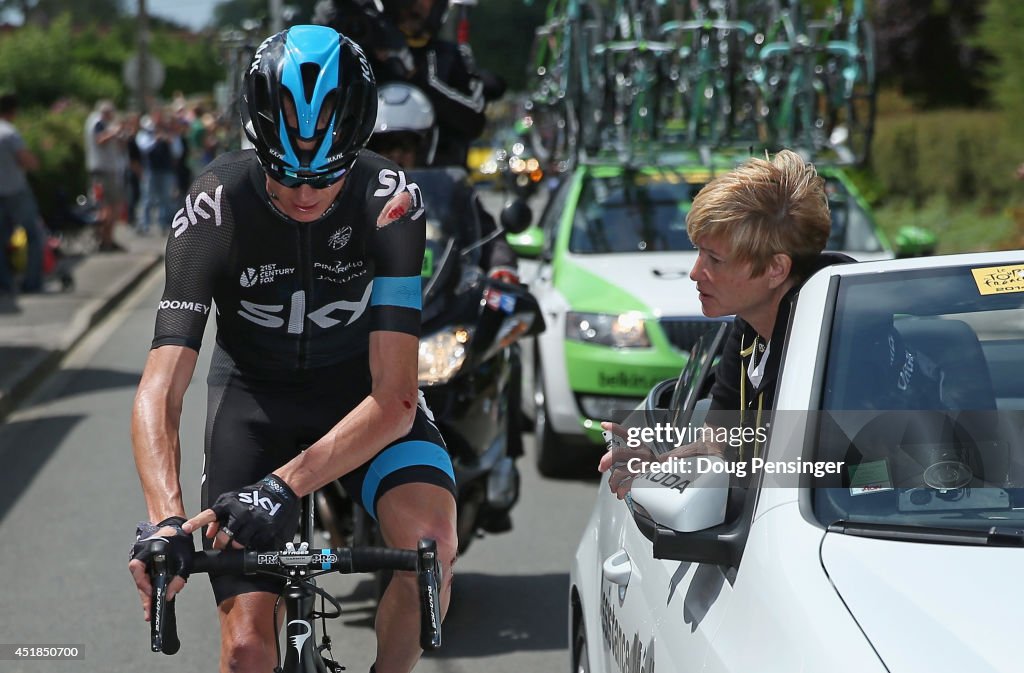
[[155, 421], [192, 261]]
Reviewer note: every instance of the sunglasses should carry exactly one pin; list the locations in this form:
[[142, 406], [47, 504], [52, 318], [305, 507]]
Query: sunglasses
[[291, 180]]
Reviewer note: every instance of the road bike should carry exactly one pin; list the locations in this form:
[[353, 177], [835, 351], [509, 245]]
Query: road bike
[[299, 566]]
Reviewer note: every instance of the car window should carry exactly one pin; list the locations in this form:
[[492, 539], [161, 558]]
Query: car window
[[923, 399], [632, 212], [853, 229]]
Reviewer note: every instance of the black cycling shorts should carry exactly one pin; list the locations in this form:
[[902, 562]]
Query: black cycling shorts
[[257, 424]]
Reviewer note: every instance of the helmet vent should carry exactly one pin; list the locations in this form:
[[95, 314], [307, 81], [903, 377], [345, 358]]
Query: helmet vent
[[310, 73]]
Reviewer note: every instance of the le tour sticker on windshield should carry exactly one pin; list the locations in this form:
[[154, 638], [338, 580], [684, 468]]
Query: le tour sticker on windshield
[[999, 279]]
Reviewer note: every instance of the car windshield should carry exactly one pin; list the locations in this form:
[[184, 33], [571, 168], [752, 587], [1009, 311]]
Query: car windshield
[[923, 400], [852, 227], [633, 212]]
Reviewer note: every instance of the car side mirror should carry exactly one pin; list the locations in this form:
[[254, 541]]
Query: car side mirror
[[516, 216], [914, 241], [693, 527], [691, 496], [528, 244]]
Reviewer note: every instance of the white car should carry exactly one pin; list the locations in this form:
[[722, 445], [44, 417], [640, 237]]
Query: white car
[[907, 377]]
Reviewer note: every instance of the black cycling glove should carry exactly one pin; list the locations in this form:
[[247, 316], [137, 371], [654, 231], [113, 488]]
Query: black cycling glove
[[261, 516], [179, 545]]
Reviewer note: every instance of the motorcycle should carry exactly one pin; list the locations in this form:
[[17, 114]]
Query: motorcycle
[[469, 367]]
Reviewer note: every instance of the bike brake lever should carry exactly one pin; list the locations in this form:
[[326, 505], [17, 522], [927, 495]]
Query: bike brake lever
[[163, 626], [430, 600]]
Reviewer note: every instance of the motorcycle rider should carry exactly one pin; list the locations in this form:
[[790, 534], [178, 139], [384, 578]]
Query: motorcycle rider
[[404, 46], [308, 220]]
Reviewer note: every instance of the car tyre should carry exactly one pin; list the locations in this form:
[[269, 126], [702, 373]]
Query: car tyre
[[579, 649], [557, 455]]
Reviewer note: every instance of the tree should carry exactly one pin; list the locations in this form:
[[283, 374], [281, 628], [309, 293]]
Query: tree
[[924, 47], [42, 12], [999, 34]]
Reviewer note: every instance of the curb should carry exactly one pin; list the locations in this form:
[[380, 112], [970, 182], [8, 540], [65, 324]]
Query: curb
[[36, 369]]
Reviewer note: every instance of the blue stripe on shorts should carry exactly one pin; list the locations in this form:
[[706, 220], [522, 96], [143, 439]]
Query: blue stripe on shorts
[[397, 457]]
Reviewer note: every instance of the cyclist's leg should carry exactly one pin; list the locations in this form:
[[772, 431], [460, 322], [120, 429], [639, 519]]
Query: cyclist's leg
[[246, 438], [406, 514], [247, 632], [409, 488]]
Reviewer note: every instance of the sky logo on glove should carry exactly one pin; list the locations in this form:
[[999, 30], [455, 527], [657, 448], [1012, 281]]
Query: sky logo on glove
[[255, 499]]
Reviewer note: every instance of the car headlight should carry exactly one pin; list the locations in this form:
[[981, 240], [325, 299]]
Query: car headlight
[[624, 330], [442, 354]]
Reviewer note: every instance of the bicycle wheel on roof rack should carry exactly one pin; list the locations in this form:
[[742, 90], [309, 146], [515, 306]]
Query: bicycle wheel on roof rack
[[587, 79], [553, 134]]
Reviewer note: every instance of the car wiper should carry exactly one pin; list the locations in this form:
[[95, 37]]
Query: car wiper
[[996, 536]]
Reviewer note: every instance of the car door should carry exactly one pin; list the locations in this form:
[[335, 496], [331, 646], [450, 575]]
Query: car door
[[654, 609]]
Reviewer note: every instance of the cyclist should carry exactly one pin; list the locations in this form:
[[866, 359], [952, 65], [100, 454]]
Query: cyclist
[[404, 46], [311, 249]]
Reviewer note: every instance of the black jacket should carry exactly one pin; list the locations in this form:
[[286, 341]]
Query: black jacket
[[443, 70]]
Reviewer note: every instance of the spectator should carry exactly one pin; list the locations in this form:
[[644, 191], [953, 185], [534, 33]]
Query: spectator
[[133, 172], [17, 203], [106, 158], [159, 147]]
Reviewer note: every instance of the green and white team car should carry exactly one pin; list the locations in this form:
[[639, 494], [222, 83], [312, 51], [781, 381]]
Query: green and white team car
[[901, 554], [611, 276]]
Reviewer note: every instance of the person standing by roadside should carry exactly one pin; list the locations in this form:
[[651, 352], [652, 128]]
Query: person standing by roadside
[[17, 203], [160, 147], [106, 157]]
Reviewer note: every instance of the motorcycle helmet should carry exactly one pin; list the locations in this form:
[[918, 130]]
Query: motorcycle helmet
[[432, 22], [308, 83], [405, 115]]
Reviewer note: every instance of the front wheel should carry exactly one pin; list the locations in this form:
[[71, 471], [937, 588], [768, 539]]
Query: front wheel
[[557, 455]]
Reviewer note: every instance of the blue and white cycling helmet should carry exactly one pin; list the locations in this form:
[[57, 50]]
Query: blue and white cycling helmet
[[325, 79]]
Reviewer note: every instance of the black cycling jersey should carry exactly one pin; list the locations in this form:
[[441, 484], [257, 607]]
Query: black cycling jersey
[[293, 296]]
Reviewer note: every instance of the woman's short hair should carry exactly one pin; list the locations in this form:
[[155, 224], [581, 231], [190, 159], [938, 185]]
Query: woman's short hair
[[765, 207]]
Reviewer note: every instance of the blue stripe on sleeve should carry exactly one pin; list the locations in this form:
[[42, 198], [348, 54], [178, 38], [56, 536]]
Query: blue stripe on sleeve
[[404, 291], [394, 458]]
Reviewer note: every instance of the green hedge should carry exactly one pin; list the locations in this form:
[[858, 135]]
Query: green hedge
[[961, 156], [56, 136]]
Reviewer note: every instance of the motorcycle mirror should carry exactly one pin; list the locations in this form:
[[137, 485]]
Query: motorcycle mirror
[[516, 216]]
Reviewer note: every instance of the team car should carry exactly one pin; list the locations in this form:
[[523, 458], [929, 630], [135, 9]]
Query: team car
[[611, 275], [883, 529]]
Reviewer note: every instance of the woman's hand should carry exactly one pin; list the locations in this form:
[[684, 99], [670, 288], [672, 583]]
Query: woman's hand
[[625, 463]]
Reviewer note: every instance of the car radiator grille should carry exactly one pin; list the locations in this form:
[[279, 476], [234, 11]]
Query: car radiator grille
[[684, 332]]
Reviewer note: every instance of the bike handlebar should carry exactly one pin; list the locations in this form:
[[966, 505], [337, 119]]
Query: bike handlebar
[[290, 564]]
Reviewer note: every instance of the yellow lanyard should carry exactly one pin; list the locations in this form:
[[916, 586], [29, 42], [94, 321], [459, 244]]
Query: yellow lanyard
[[749, 352]]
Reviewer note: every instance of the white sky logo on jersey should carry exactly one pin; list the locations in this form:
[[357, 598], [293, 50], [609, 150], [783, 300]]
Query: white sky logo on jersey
[[340, 238], [204, 207], [267, 315], [393, 182]]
